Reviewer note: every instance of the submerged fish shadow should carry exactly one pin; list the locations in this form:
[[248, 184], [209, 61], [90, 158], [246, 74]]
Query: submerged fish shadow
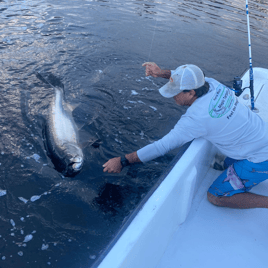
[[110, 198]]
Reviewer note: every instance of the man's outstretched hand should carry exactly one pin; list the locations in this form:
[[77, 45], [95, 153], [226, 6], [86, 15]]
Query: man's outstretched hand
[[152, 69], [113, 165]]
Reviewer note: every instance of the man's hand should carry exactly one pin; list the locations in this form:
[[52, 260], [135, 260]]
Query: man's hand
[[152, 69], [113, 165]]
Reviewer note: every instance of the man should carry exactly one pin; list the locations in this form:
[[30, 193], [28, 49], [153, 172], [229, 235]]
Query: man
[[214, 114]]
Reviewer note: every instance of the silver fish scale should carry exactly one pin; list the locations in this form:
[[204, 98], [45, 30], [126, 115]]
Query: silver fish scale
[[62, 136]]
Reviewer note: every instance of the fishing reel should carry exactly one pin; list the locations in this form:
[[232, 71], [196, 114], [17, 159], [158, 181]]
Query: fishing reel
[[237, 86]]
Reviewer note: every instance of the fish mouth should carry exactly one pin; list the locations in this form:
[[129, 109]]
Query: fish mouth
[[76, 163], [77, 166], [72, 170]]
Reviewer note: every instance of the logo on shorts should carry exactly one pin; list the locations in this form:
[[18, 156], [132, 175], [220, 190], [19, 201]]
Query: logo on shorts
[[233, 179], [222, 102]]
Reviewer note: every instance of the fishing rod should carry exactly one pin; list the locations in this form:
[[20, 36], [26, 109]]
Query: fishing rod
[[250, 61], [237, 83]]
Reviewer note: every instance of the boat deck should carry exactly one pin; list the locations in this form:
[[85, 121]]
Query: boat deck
[[219, 237]]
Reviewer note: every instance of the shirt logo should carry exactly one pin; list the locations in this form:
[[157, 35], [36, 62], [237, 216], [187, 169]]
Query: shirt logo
[[222, 102]]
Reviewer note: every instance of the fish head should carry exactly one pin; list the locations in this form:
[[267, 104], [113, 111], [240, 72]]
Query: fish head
[[74, 160]]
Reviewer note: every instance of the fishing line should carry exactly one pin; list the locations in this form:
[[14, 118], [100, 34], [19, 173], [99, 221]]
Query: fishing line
[[152, 40]]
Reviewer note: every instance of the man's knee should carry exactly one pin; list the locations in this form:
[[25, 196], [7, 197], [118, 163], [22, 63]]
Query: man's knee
[[215, 200]]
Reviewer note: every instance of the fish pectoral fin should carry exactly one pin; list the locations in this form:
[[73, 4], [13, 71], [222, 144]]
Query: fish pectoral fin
[[79, 125], [72, 107], [87, 139], [95, 143]]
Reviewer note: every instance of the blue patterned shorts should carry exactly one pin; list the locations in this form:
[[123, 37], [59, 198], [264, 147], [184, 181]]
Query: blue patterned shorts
[[239, 177]]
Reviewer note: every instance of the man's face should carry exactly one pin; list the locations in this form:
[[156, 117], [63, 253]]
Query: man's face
[[185, 98]]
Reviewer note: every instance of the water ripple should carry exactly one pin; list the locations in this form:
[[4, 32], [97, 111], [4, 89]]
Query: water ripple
[[95, 49]]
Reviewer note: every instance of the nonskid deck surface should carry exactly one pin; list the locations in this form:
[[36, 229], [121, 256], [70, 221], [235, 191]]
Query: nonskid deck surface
[[219, 237]]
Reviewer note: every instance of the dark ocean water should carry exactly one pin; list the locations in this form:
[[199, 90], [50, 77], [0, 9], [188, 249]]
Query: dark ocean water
[[95, 49]]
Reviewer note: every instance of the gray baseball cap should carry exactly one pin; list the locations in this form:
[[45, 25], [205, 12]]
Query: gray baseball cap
[[185, 77]]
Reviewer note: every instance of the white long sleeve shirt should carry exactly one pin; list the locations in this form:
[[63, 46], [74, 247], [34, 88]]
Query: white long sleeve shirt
[[219, 118]]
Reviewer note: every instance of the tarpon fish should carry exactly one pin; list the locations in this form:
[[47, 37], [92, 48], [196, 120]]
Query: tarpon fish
[[61, 136]]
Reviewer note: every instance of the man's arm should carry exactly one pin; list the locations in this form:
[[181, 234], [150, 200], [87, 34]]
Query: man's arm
[[114, 164], [152, 69]]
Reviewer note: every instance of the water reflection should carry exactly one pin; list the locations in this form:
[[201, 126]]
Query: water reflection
[[96, 49]]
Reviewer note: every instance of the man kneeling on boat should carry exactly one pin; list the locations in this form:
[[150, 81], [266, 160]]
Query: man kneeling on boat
[[216, 115]]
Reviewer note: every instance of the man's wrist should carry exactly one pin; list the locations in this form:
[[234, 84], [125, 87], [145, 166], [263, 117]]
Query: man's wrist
[[124, 161], [165, 74]]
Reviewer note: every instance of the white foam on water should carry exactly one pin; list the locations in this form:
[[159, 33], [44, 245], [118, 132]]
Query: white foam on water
[[149, 78], [132, 101], [126, 107], [3, 192], [133, 92], [152, 107], [44, 247], [12, 223], [23, 199], [20, 253], [148, 89], [28, 238], [36, 157], [35, 197]]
